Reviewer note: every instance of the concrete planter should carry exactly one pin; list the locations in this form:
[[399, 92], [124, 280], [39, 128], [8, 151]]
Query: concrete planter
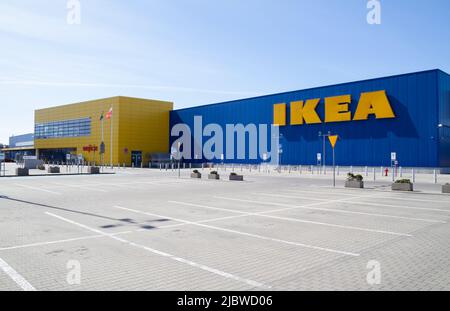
[[214, 176], [196, 175], [354, 184], [53, 170], [93, 170], [236, 177], [445, 188], [402, 187], [22, 171]]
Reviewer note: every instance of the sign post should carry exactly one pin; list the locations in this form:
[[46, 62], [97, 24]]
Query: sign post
[[394, 165], [2, 164], [179, 159], [333, 140]]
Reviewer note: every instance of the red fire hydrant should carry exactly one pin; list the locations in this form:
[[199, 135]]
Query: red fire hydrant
[[386, 171]]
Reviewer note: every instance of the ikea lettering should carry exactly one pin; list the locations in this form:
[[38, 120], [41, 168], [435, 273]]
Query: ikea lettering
[[337, 109]]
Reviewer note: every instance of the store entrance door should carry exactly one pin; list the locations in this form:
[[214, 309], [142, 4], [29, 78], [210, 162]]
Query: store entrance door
[[136, 158]]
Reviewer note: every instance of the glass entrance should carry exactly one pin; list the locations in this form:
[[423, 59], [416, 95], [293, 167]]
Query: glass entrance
[[136, 158]]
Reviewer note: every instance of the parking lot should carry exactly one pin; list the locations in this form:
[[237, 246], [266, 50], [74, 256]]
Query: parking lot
[[150, 230]]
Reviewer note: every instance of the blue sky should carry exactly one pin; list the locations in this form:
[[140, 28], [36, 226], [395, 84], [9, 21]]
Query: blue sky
[[196, 52]]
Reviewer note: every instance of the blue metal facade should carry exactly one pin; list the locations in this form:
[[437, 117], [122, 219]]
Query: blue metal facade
[[26, 140], [444, 118], [420, 102]]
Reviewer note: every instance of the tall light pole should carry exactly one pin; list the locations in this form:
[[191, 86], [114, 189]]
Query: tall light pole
[[324, 150]]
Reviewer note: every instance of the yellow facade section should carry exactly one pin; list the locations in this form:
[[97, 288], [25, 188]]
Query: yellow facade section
[[137, 125], [305, 112], [337, 109], [279, 115]]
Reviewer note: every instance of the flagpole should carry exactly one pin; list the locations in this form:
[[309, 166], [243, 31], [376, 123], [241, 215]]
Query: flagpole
[[111, 155], [103, 141]]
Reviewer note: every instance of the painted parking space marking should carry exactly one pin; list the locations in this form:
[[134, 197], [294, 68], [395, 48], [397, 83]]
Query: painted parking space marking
[[244, 233], [350, 212], [38, 189], [167, 255], [15, 276], [83, 187], [346, 200], [319, 192], [263, 214]]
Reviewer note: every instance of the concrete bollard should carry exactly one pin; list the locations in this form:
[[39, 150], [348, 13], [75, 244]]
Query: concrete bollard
[[413, 173], [435, 176], [374, 174], [401, 171], [312, 170], [337, 169], [367, 171]]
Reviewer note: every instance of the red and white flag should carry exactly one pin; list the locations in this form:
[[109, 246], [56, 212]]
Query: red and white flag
[[109, 114]]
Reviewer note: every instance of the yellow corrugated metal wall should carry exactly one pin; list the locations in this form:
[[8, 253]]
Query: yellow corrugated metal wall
[[138, 124]]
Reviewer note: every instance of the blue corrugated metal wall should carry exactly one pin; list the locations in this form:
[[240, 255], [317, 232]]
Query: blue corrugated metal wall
[[25, 138], [412, 134], [444, 118]]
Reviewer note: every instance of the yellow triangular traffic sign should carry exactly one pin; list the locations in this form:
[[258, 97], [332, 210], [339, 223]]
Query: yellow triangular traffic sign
[[333, 140]]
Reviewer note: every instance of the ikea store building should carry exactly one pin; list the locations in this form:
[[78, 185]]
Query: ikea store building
[[407, 115]]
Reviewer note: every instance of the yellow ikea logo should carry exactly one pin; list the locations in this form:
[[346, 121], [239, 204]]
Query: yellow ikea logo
[[336, 109]]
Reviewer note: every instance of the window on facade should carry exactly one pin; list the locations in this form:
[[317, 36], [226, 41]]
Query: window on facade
[[61, 129]]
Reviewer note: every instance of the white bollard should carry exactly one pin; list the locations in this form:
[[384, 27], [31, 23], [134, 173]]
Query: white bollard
[[413, 173], [401, 171], [374, 174], [435, 176]]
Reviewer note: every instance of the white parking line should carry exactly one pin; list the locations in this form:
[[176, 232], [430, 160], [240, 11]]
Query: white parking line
[[347, 211], [395, 197], [50, 242], [92, 237], [347, 200], [262, 214], [243, 233], [318, 192], [83, 187], [167, 255], [402, 207], [38, 189], [15, 276]]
